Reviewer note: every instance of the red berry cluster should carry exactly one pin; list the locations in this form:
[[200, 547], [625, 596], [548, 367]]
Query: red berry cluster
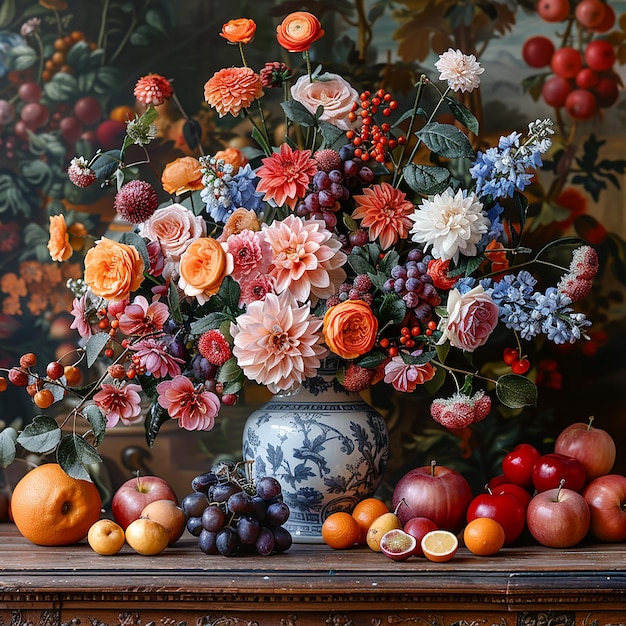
[[583, 79], [409, 338], [519, 364], [372, 140]]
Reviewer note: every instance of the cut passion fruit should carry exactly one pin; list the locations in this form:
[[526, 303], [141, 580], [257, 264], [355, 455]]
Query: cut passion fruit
[[398, 545]]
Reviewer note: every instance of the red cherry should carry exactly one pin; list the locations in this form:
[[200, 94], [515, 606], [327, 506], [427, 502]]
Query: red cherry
[[71, 129], [600, 55], [510, 355], [34, 115], [590, 13], [606, 92], [88, 110], [537, 51], [587, 78], [555, 91], [553, 10], [521, 366], [29, 92], [566, 62], [581, 104], [609, 20]]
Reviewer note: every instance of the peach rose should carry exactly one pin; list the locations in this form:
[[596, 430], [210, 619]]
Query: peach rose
[[113, 269], [232, 156], [240, 30], [203, 267], [298, 31], [183, 174], [239, 220], [330, 91], [350, 328], [59, 241]]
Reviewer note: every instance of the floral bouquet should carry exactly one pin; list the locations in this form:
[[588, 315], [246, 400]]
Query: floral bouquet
[[378, 236]]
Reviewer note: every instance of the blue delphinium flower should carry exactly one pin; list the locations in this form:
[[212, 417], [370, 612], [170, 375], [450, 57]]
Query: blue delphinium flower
[[243, 190]]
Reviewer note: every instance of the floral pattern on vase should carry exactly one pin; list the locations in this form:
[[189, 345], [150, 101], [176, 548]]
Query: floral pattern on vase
[[328, 450]]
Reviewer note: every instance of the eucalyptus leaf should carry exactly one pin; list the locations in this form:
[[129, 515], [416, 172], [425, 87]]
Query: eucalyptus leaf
[[298, 113], [392, 309], [62, 87], [106, 163], [445, 140], [463, 114], [427, 180], [156, 417], [94, 347], [360, 265], [7, 446], [41, 436], [516, 391], [74, 454], [208, 322], [97, 421], [331, 133], [20, 58], [137, 241]]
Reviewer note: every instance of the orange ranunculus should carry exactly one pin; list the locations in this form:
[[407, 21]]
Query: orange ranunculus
[[59, 242], [183, 174], [113, 269], [350, 328], [203, 267], [232, 156], [298, 31], [240, 30], [239, 220]]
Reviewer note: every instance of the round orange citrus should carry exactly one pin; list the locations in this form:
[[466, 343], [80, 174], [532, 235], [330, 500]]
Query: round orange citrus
[[340, 530], [51, 508], [122, 113], [483, 536], [365, 512]]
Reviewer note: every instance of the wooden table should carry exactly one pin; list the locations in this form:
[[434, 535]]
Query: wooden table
[[309, 584]]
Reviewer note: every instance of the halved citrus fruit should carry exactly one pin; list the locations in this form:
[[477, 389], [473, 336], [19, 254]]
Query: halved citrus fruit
[[439, 545], [398, 545]]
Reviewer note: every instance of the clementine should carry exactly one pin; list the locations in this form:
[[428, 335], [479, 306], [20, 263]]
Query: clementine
[[340, 530], [365, 512], [51, 508], [483, 536]]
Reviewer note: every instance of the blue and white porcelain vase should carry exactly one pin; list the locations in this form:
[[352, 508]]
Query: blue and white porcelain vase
[[328, 448]]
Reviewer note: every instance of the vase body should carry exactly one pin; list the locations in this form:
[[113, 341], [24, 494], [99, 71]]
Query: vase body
[[328, 451]]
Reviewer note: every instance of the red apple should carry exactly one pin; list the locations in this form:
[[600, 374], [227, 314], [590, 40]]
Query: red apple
[[519, 492], [550, 468], [517, 465], [558, 518], [606, 497], [439, 493], [593, 447], [505, 508], [135, 494], [417, 527]]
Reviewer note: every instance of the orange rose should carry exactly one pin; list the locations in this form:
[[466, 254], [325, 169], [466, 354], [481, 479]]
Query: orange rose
[[59, 242], [232, 156], [298, 31], [240, 219], [240, 30], [203, 267], [183, 174], [113, 269], [350, 328], [78, 234]]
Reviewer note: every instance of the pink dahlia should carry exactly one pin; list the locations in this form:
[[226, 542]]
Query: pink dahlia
[[277, 342], [251, 254], [461, 410], [256, 288], [195, 408], [406, 377], [143, 317], [307, 257], [385, 211], [153, 89], [232, 89], [286, 175], [154, 357], [120, 403]]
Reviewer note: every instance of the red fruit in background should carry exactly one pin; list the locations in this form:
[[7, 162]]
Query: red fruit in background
[[600, 55], [71, 129], [434, 491], [88, 110], [555, 91], [505, 508], [518, 464], [537, 51], [608, 21], [590, 13], [593, 447], [417, 527], [581, 104], [553, 10], [551, 468], [34, 115], [566, 62], [523, 496], [606, 498], [606, 92], [29, 92], [110, 134], [587, 78]]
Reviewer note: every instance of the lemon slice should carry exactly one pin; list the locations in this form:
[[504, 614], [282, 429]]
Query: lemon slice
[[439, 545]]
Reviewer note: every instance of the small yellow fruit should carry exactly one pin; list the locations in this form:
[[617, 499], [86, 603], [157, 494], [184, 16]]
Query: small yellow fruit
[[147, 537], [169, 515], [381, 525], [106, 537]]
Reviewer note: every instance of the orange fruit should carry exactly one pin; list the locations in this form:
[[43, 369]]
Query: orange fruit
[[122, 113], [340, 530], [380, 526], [439, 545], [51, 508], [365, 512], [483, 536]]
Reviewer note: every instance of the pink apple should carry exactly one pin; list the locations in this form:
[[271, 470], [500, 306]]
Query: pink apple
[[417, 527], [558, 518], [550, 468], [135, 494], [593, 447], [606, 497]]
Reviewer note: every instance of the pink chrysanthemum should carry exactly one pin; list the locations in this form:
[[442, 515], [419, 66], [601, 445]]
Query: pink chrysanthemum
[[461, 71], [251, 254], [286, 175], [461, 410], [143, 317], [256, 288], [195, 408], [10, 238], [153, 356], [308, 260], [277, 342], [120, 403], [232, 89], [136, 201], [405, 377], [80, 173], [153, 89], [385, 211], [213, 346]]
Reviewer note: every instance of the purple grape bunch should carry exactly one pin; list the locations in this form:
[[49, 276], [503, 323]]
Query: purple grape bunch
[[232, 514]]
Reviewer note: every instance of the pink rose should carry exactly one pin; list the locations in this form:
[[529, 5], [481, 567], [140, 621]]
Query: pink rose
[[330, 91], [471, 319]]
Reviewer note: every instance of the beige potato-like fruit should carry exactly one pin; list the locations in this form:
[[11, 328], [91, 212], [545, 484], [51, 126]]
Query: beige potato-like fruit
[[147, 537], [169, 515], [106, 537]]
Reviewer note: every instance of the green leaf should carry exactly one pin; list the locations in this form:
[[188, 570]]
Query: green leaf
[[7, 12], [229, 292], [258, 136], [298, 113], [230, 371], [445, 140], [421, 359], [463, 114], [371, 359], [426, 179], [7, 446], [173, 300], [331, 133], [106, 163], [137, 241], [360, 265], [20, 58], [208, 322], [62, 87], [94, 347], [156, 417], [37, 173], [392, 309], [41, 436], [73, 454], [516, 391], [97, 420]]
